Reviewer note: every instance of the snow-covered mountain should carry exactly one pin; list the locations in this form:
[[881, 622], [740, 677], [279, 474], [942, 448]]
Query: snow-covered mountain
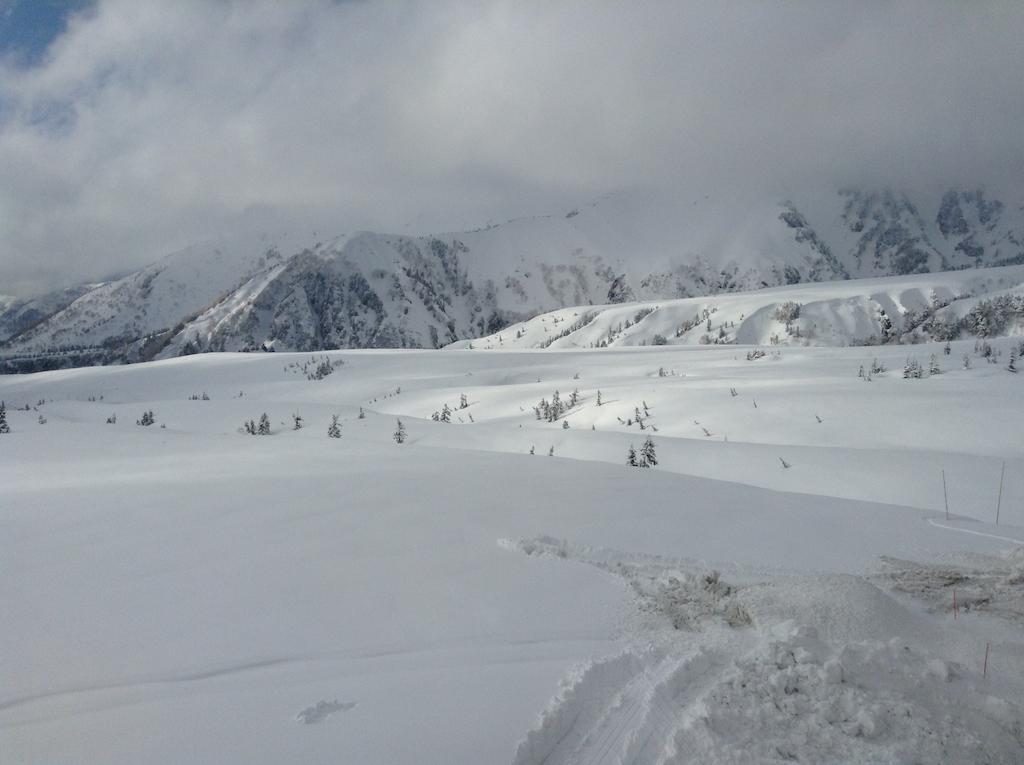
[[384, 290], [950, 305], [18, 315]]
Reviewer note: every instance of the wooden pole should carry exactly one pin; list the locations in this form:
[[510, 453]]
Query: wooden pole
[[945, 494], [999, 502], [984, 667]]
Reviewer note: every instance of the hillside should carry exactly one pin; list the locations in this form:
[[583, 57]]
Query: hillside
[[377, 290], [941, 306], [778, 586]]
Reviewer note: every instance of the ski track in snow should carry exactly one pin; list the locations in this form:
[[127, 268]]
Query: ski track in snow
[[936, 524]]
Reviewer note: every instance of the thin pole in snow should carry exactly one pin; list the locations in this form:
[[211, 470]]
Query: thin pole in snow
[[945, 494], [984, 667], [954, 604], [999, 502]]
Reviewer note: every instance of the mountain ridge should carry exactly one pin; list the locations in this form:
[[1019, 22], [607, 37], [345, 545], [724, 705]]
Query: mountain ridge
[[369, 289]]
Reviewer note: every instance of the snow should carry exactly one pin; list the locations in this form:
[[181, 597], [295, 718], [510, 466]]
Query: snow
[[831, 313], [187, 592]]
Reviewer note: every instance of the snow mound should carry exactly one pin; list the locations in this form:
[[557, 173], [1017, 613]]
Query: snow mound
[[791, 698], [797, 699]]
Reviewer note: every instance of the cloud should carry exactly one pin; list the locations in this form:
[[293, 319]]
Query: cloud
[[150, 125]]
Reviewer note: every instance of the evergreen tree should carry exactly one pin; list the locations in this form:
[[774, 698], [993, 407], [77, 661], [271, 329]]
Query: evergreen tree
[[933, 366], [556, 407], [112, 419], [647, 455], [463, 401], [631, 457], [599, 398], [146, 419], [334, 429], [565, 424], [264, 426], [362, 414], [4, 427], [399, 434], [1012, 366], [551, 452], [250, 427], [446, 414], [531, 449], [297, 419]]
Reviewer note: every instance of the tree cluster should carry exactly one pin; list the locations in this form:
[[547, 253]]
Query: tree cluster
[[551, 411], [645, 458]]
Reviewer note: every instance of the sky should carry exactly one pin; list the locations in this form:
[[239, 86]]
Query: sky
[[132, 128]]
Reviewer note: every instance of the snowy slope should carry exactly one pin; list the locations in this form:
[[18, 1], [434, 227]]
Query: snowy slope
[[191, 591], [834, 313], [381, 290], [18, 315], [114, 317]]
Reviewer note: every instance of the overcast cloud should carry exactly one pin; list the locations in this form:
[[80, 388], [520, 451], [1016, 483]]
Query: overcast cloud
[[150, 125]]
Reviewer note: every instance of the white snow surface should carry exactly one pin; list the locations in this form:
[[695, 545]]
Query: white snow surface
[[188, 593], [830, 313]]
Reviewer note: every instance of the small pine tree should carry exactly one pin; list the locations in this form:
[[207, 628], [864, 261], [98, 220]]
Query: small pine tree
[[264, 426], [947, 348], [250, 427], [362, 414], [1012, 366], [334, 429], [551, 452], [297, 420], [647, 456], [599, 398], [112, 419], [446, 414], [531, 449], [4, 427], [631, 457], [463, 401], [399, 434], [42, 420], [565, 424], [933, 366], [147, 418], [967, 361]]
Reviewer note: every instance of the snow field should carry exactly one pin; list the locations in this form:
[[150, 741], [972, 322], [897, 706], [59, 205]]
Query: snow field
[[191, 592]]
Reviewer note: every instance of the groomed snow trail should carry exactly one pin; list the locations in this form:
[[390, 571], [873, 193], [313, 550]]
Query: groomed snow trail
[[623, 709]]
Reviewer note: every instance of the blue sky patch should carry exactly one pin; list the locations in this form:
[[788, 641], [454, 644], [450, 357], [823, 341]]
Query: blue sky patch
[[28, 27]]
